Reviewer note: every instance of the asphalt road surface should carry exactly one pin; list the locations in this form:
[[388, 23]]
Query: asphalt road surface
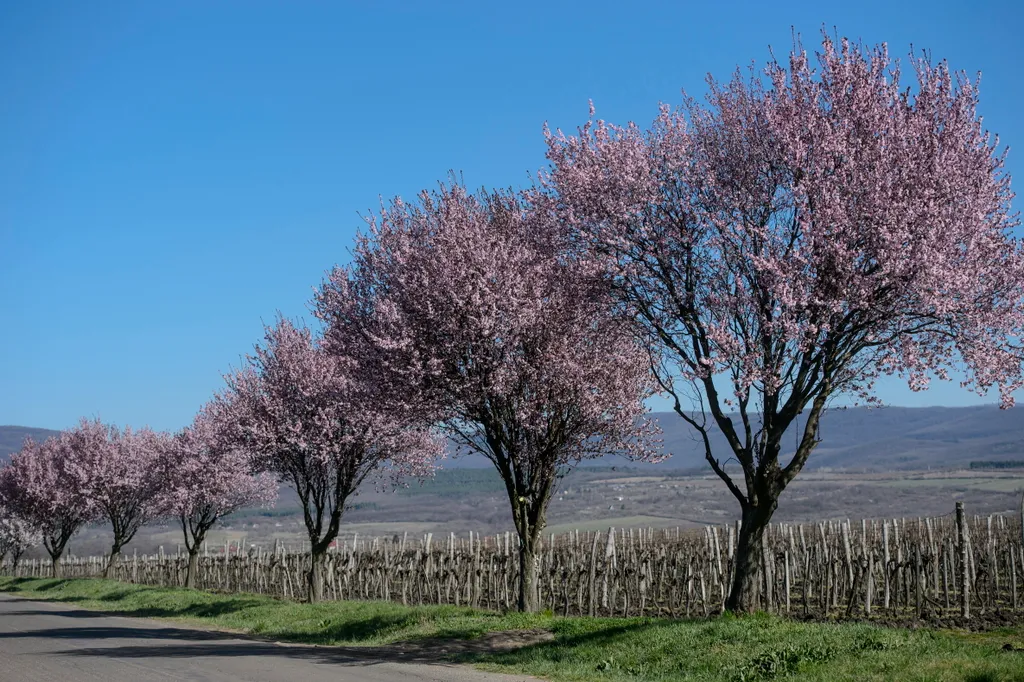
[[52, 642]]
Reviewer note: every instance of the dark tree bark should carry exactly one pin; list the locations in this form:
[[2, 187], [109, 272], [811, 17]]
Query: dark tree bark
[[115, 552], [324, 489], [316, 576], [529, 482], [529, 592], [195, 530], [126, 517], [193, 568], [764, 481], [744, 593], [57, 538], [757, 448]]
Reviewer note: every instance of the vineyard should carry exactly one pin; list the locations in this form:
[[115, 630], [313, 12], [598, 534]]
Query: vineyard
[[950, 566]]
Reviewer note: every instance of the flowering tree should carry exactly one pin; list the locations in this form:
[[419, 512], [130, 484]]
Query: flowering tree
[[38, 487], [793, 239], [471, 312], [121, 476], [309, 422], [16, 536], [207, 475]]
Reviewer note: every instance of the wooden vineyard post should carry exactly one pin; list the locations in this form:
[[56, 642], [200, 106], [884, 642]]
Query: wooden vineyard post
[[961, 527], [885, 564], [787, 578], [918, 577], [869, 588], [1013, 579], [945, 571]]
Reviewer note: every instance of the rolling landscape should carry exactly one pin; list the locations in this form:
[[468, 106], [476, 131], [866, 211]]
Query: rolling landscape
[[872, 463]]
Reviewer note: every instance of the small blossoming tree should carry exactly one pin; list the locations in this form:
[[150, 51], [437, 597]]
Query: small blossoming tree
[[307, 419], [207, 475], [37, 486], [16, 536], [119, 473]]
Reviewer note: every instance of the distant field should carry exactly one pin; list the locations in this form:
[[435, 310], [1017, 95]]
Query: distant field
[[1002, 485], [620, 522], [630, 479], [463, 500]]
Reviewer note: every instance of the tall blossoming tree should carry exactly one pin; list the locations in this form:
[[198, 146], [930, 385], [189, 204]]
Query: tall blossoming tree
[[39, 488], [307, 419], [119, 473], [794, 238], [207, 475], [473, 314]]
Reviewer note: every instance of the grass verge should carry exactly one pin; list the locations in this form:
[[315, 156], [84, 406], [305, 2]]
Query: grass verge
[[758, 647]]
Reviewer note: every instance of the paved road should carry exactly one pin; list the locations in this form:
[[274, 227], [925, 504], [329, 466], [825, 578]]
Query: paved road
[[52, 642]]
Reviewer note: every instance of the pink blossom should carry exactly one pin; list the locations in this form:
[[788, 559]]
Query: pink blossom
[[16, 535], [207, 474], [798, 235], [471, 312], [304, 417], [39, 487], [117, 470]]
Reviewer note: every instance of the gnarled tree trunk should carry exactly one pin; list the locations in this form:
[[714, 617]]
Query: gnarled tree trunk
[[316, 576], [115, 552], [529, 592], [193, 567], [745, 592], [529, 517]]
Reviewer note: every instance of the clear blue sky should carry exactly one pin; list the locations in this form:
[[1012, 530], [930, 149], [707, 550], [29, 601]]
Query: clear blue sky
[[172, 173]]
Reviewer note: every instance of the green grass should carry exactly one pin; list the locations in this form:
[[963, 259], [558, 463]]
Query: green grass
[[758, 647]]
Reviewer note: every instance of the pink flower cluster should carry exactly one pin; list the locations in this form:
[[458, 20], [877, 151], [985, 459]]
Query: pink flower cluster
[[824, 215]]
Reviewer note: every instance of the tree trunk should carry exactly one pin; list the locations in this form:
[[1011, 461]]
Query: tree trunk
[[316, 576], [744, 596], [115, 551], [193, 567], [56, 566], [529, 594]]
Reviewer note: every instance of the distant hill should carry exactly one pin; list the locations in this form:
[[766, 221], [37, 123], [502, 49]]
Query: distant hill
[[12, 437], [864, 439], [854, 439]]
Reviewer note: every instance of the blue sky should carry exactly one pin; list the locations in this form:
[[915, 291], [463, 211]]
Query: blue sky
[[173, 173]]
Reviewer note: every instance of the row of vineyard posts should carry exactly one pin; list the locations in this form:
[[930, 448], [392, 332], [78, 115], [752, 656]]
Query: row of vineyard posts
[[906, 568]]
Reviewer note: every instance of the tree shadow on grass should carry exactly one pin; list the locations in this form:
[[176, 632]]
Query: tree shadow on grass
[[115, 632], [334, 655], [221, 607], [554, 649], [359, 630], [208, 610], [345, 630], [433, 651], [19, 584]]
